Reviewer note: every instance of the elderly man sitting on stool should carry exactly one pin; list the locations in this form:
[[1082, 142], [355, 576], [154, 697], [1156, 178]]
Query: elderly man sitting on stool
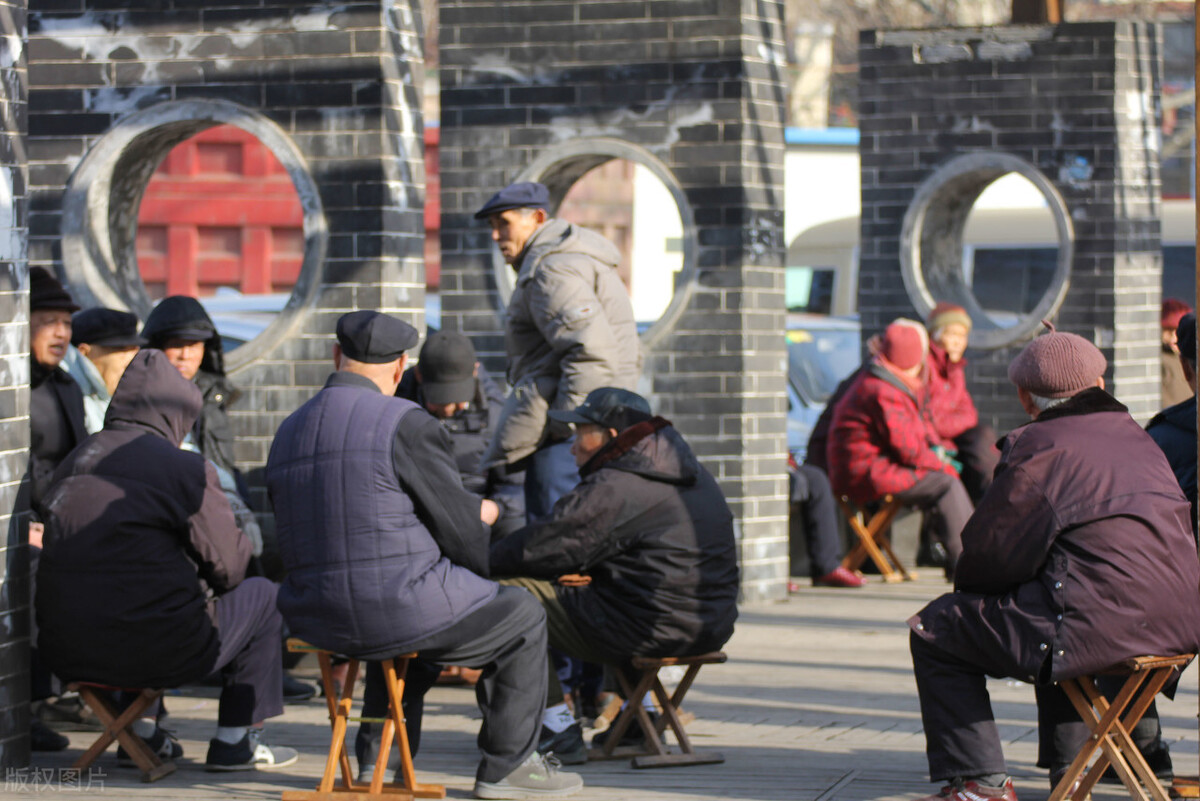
[[650, 527], [1079, 556]]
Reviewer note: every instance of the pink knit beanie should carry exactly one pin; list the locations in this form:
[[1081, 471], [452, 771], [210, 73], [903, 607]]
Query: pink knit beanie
[[904, 343], [1057, 365]]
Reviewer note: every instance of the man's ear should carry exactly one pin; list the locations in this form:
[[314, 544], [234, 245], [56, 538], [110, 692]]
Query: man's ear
[[401, 366], [84, 348], [1027, 402], [475, 370], [541, 215], [614, 433], [337, 356], [1100, 382]]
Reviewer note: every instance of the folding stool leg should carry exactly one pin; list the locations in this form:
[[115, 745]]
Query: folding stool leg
[[670, 706], [116, 727], [395, 676], [339, 712], [1110, 735], [633, 703]]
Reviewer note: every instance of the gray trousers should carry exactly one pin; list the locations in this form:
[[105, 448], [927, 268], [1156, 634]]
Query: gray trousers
[[506, 638]]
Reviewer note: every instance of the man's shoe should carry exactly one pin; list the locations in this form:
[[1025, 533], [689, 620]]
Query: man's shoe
[[971, 790], [248, 754], [68, 713], [296, 691], [567, 744], [839, 577], [162, 743], [43, 738], [537, 777]]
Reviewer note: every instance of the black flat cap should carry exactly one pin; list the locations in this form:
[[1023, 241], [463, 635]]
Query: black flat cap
[[607, 407], [374, 338], [107, 327], [47, 294], [525, 195], [447, 368]]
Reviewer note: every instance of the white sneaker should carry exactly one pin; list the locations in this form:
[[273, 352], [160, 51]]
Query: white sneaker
[[537, 777]]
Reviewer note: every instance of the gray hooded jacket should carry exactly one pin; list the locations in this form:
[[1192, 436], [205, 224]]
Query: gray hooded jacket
[[570, 329]]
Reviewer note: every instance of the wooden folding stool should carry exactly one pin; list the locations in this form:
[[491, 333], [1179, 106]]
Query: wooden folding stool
[[405, 786], [873, 541], [653, 753], [117, 726], [1111, 723]]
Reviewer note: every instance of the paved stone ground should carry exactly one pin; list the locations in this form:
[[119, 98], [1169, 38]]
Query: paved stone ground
[[817, 702]]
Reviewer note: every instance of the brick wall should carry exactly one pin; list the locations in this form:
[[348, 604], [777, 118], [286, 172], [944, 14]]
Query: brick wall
[[1079, 103], [337, 88], [694, 86], [14, 392]]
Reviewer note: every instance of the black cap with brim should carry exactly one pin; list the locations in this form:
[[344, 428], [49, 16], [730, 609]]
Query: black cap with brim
[[109, 328], [374, 338], [440, 393], [607, 407], [188, 334]]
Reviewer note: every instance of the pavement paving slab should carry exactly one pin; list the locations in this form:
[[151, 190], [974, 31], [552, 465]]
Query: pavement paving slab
[[816, 703]]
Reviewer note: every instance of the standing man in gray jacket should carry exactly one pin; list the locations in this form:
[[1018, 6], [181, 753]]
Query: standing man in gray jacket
[[569, 329]]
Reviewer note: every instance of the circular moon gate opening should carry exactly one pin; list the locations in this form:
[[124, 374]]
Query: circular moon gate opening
[[623, 192], [1008, 279], [104, 196]]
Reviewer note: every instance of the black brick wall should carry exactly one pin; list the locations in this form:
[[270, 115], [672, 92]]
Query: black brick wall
[[14, 391], [1051, 96], [340, 81], [696, 84]]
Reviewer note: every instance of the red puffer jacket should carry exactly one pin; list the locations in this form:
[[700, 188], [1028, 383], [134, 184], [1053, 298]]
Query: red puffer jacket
[[949, 405], [879, 442]]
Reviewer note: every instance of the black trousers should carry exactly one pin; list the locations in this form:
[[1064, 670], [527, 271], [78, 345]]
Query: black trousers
[[961, 738], [813, 498], [506, 638]]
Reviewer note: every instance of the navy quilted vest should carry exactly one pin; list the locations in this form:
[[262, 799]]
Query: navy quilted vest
[[364, 575]]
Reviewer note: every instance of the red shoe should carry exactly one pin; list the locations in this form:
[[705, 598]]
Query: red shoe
[[839, 577], [972, 791]]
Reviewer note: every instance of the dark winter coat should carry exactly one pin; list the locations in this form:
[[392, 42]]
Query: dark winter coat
[[1174, 430], [213, 432], [139, 537], [879, 441], [382, 545], [649, 524], [948, 404], [55, 424], [470, 432], [1078, 556]]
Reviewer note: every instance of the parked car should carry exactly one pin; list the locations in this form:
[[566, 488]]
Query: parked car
[[822, 350]]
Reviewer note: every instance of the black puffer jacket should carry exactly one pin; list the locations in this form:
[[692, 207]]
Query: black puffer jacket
[[212, 432], [651, 527], [139, 537]]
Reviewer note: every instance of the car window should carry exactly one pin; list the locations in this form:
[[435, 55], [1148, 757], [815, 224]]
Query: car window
[[818, 359]]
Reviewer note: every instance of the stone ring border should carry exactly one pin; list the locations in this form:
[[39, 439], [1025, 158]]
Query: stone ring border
[[560, 166], [931, 243], [102, 196]]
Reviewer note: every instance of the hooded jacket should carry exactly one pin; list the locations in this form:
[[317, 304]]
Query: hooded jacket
[[569, 329], [879, 440], [139, 538], [1078, 556], [651, 527], [1174, 431], [212, 432]]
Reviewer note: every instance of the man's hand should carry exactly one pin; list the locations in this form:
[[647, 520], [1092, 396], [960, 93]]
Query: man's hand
[[36, 531], [573, 580], [489, 512]]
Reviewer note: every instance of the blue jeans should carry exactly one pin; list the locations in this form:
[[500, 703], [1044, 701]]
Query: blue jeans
[[551, 473]]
